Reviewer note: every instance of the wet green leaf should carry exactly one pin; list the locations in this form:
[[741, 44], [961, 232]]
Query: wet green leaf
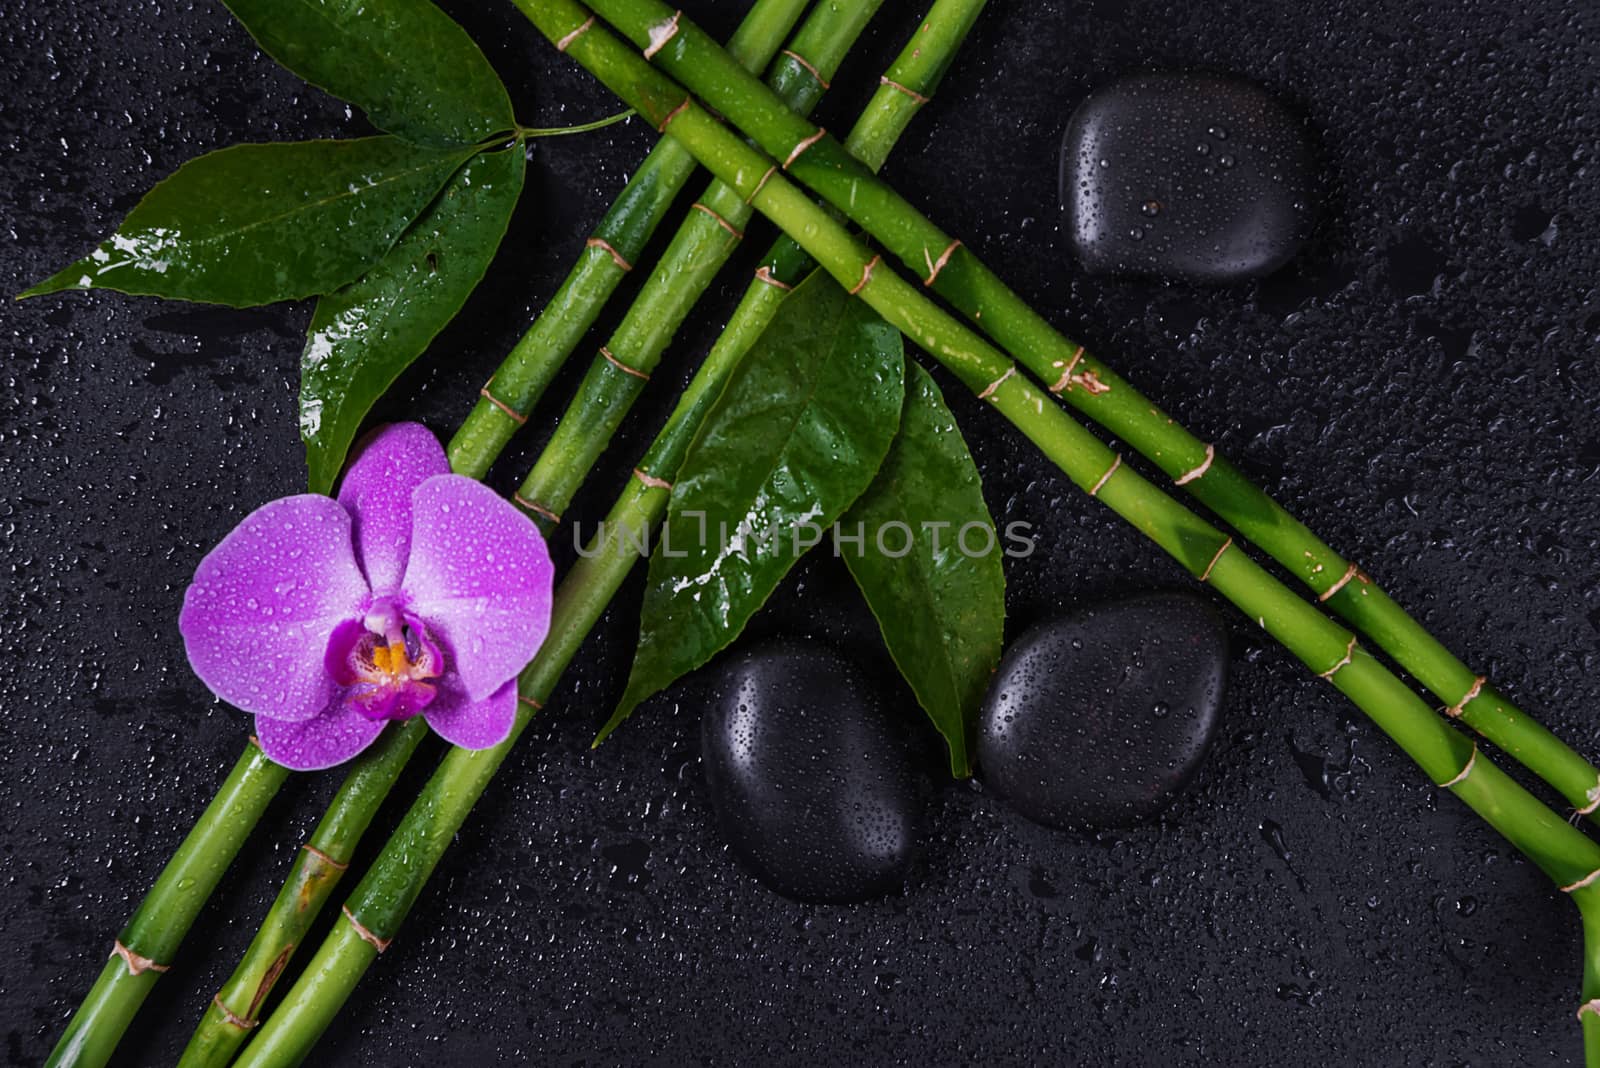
[[255, 224], [407, 64], [930, 566], [799, 432], [363, 336]]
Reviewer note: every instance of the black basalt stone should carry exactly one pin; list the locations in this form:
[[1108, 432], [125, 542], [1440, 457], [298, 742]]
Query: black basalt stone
[[1197, 177], [812, 779], [1099, 719]]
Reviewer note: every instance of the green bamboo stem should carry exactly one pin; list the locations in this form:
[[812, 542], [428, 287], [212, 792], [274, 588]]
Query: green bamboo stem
[[708, 237], [233, 1012], [148, 945], [1567, 856], [315, 872], [610, 252], [1589, 1010], [167, 913], [397, 876], [957, 274], [379, 905]]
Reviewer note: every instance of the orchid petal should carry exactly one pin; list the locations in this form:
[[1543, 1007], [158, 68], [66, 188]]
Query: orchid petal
[[257, 619], [473, 724], [480, 575], [390, 464], [333, 737]]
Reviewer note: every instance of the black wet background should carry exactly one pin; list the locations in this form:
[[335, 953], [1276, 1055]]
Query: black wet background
[[1421, 387]]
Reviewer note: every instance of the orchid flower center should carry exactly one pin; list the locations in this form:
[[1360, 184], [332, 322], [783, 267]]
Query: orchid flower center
[[387, 663]]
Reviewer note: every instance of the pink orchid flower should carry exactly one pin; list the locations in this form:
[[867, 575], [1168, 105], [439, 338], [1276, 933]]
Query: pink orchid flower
[[415, 592]]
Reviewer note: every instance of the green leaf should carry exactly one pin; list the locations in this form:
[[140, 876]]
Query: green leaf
[[255, 224], [364, 335], [935, 583], [407, 64], [798, 433]]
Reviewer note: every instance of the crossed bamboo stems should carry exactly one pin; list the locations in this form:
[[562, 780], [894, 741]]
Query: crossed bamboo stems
[[758, 178], [799, 74]]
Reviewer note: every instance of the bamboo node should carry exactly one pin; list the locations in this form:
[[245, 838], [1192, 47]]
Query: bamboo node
[[799, 149], [1461, 777], [866, 275], [912, 93], [1349, 654], [379, 944], [937, 265], [1226, 545], [1349, 573], [336, 865], [1455, 710], [1065, 381], [1589, 1007], [1594, 800], [988, 391], [535, 506], [811, 70], [1195, 472], [515, 416], [616, 257], [661, 33], [137, 963], [619, 365], [720, 221], [531, 702], [1088, 380], [1587, 880], [1116, 462], [764, 274], [566, 42], [651, 480], [1091, 383], [228, 1014], [764, 178], [666, 120]]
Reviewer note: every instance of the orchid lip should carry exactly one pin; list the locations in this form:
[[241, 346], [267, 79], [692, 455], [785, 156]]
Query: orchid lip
[[387, 662]]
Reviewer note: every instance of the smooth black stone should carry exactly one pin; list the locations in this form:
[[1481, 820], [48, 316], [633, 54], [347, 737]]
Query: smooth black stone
[[813, 781], [1099, 719], [1186, 176]]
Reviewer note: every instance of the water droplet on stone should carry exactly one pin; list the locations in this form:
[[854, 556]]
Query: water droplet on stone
[[1225, 216], [810, 775], [1086, 738]]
